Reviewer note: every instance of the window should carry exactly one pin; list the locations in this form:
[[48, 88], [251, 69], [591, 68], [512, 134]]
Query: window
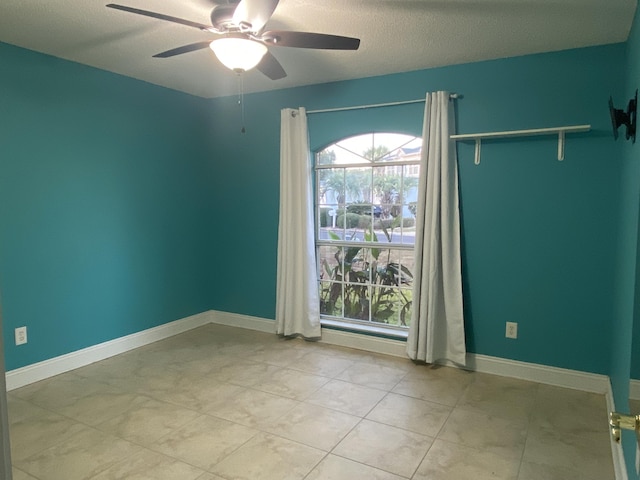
[[366, 191]]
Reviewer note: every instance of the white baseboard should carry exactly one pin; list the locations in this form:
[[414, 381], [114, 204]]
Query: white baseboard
[[242, 321], [369, 343], [561, 377], [39, 371], [332, 337], [617, 454], [589, 382], [634, 389], [481, 363]]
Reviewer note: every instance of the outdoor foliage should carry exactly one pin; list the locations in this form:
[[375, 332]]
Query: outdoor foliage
[[353, 220], [360, 197], [366, 278]]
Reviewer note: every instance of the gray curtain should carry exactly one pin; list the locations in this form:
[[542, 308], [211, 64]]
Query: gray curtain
[[297, 298], [437, 325]]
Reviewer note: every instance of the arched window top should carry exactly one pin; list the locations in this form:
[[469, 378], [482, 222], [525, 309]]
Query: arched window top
[[371, 148], [366, 191]]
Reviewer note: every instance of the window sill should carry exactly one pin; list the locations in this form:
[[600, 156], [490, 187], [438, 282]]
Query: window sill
[[366, 329]]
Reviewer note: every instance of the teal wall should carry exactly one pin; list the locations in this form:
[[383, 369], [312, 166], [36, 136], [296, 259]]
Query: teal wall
[[635, 353], [632, 161], [103, 205], [124, 205], [624, 362], [539, 235]]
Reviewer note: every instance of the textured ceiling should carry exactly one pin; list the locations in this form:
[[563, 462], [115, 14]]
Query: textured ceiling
[[396, 36]]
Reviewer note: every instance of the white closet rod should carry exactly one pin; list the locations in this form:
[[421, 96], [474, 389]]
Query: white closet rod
[[560, 131]]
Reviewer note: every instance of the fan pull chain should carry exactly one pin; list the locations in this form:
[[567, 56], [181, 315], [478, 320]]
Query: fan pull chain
[[241, 100]]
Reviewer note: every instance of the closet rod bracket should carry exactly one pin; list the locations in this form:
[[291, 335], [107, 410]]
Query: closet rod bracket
[[560, 131], [477, 156], [561, 145]]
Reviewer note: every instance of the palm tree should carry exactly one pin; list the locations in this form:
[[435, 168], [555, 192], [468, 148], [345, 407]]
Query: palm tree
[[375, 153], [332, 180], [326, 157]]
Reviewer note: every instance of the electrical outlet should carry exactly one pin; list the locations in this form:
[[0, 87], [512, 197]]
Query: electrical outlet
[[21, 335], [512, 330]]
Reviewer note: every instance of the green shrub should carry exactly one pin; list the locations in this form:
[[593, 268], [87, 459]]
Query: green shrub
[[350, 220], [325, 219], [359, 208], [384, 223], [389, 223], [364, 222]]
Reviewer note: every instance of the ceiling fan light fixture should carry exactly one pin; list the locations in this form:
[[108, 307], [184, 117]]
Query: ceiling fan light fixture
[[238, 53]]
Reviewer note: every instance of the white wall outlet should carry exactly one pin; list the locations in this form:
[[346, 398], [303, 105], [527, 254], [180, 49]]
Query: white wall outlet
[[512, 330], [21, 335]]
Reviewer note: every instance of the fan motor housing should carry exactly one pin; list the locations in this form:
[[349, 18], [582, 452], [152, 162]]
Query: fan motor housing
[[222, 18]]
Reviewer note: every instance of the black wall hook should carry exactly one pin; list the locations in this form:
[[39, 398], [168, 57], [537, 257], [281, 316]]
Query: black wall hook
[[628, 118]]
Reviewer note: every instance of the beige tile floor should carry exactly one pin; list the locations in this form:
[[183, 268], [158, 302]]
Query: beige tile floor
[[223, 403]]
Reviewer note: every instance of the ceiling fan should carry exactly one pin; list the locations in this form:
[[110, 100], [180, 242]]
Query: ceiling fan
[[242, 43]]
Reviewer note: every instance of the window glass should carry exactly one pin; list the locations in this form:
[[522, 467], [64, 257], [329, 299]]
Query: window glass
[[366, 192]]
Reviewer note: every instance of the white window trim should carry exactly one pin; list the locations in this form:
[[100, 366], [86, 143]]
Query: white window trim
[[370, 327], [387, 331]]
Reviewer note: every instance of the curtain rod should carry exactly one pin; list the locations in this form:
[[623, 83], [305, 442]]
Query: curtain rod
[[376, 105]]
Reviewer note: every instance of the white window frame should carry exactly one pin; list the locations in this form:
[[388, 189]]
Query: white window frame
[[354, 324]]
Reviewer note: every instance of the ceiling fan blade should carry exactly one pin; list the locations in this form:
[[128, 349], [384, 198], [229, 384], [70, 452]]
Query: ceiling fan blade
[[252, 15], [159, 16], [284, 38], [192, 47], [271, 67]]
